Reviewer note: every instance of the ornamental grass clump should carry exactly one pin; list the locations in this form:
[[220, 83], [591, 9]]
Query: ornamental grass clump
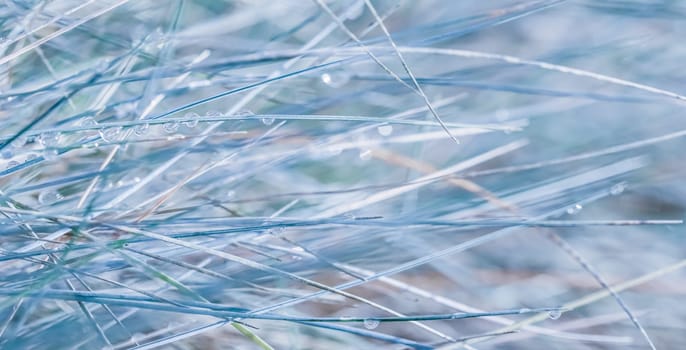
[[362, 174]]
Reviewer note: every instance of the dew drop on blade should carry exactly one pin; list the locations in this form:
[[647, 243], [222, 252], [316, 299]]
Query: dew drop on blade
[[141, 129], [267, 121], [554, 314], [110, 134], [371, 323], [617, 189], [335, 80], [192, 120], [88, 122], [171, 127], [385, 130], [12, 164], [49, 197], [574, 209], [48, 139]]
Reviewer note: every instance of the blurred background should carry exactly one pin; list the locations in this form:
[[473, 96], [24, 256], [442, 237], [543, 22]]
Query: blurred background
[[342, 174]]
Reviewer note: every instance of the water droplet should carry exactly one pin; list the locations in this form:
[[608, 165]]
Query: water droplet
[[267, 121], [335, 80], [171, 127], [88, 122], [319, 152], [192, 120], [326, 78], [49, 197], [298, 249], [141, 129], [617, 189], [48, 139], [385, 130], [110, 134], [175, 137], [554, 314], [371, 323], [199, 83], [7, 153], [230, 194], [574, 209], [524, 310], [366, 154], [245, 113]]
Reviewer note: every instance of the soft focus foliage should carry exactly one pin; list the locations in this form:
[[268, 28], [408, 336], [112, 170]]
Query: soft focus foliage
[[361, 174]]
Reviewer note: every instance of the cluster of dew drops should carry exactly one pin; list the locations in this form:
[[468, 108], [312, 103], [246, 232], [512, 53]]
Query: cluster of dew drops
[[49, 142], [372, 323], [615, 190], [118, 132]]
